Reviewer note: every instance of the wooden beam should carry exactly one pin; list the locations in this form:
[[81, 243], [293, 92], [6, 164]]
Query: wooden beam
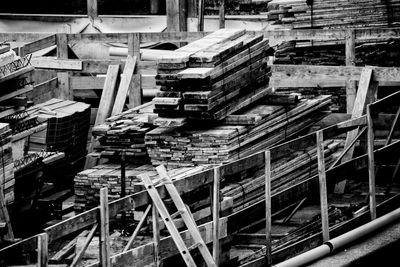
[[80, 253], [176, 15], [216, 204], [56, 64], [108, 95], [357, 111], [200, 10], [322, 186], [156, 235], [137, 229], [37, 45], [221, 14], [268, 213], [308, 72], [105, 259], [92, 9], [371, 165], [64, 91], [42, 250], [350, 51], [125, 86]]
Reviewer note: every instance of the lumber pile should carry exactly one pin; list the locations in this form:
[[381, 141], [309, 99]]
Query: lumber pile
[[334, 14], [67, 127], [7, 180], [124, 133], [213, 77], [382, 53], [252, 130], [288, 171], [89, 182]]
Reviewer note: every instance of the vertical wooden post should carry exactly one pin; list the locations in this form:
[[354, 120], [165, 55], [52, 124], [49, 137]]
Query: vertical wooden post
[[350, 61], [135, 91], [63, 77], [42, 250], [371, 164], [176, 15], [192, 19], [215, 211], [322, 186], [156, 235], [92, 9], [221, 14], [105, 260], [268, 222], [200, 24]]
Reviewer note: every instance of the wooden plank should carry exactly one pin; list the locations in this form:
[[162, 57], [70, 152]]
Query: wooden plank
[[64, 91], [371, 165], [268, 211], [350, 51], [38, 45], [358, 109], [108, 95], [124, 85], [86, 82], [308, 72], [215, 212], [156, 235], [322, 186], [80, 253], [42, 251], [137, 229], [57, 64], [105, 259]]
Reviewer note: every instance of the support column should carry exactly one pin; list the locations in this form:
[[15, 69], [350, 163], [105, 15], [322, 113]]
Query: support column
[[350, 52]]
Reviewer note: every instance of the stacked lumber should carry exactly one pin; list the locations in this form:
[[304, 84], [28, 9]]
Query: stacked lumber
[[252, 130], [67, 127], [334, 14], [214, 76], [89, 182], [124, 133], [7, 180], [382, 54], [288, 171]]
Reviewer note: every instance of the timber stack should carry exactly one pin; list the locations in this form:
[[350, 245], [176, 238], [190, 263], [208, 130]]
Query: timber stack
[[212, 77], [298, 14], [247, 132], [124, 133]]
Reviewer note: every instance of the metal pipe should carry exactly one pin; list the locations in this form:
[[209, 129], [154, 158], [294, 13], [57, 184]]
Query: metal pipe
[[341, 241]]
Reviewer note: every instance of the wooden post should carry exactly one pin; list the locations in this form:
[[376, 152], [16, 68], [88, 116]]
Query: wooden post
[[42, 251], [221, 14], [350, 61], [216, 209], [105, 260], [135, 90], [268, 222], [92, 10], [63, 76], [192, 19], [156, 235], [322, 186], [200, 24], [371, 164], [176, 15]]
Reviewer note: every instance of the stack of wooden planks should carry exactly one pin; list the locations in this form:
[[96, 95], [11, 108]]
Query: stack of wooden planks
[[213, 77], [382, 53], [67, 127], [7, 180], [334, 14], [288, 171], [124, 133], [89, 182], [254, 129]]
